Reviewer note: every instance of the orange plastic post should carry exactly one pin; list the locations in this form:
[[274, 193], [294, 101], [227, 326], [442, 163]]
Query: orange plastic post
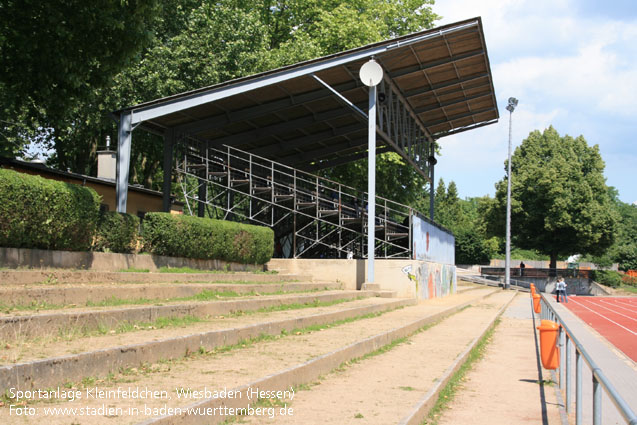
[[537, 307], [532, 289], [549, 351]]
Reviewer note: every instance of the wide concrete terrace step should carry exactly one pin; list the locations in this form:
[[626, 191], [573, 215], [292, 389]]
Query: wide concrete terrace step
[[28, 277], [397, 386], [19, 325], [275, 362], [81, 294], [43, 363]]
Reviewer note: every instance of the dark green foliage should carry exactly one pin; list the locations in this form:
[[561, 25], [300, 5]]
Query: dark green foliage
[[462, 217], [471, 248], [626, 256], [116, 232], [194, 237], [40, 213], [608, 278], [55, 52]]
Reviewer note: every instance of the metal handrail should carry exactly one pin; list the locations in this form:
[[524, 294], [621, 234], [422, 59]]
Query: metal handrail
[[599, 378], [537, 272]]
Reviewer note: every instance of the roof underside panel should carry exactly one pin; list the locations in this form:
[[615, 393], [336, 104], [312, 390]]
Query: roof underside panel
[[441, 76]]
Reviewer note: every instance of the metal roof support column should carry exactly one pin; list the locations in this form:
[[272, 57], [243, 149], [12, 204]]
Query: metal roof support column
[[371, 182], [202, 190], [124, 140], [169, 140], [432, 163]]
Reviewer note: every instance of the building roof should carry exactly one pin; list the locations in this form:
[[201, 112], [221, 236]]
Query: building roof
[[437, 82], [42, 169]]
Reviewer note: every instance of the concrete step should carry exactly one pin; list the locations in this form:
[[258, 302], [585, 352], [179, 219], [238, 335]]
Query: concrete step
[[56, 276], [270, 363], [155, 346], [18, 327], [402, 382], [64, 295]]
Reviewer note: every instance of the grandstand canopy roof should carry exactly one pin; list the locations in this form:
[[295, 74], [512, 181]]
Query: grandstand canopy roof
[[437, 82]]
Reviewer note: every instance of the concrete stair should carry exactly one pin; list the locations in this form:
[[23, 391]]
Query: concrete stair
[[283, 341]]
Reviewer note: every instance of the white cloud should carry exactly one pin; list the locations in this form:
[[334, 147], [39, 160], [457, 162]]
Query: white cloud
[[573, 70]]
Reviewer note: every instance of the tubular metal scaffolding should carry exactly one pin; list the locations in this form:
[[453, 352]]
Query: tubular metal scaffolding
[[311, 216]]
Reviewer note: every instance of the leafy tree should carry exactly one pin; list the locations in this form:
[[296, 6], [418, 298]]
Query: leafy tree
[[395, 180], [471, 247], [624, 250], [55, 52], [200, 43], [560, 202]]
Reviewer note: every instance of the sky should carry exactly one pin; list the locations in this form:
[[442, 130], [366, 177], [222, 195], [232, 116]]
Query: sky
[[571, 64]]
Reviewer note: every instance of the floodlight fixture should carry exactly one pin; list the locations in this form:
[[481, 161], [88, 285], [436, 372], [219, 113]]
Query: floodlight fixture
[[513, 102]]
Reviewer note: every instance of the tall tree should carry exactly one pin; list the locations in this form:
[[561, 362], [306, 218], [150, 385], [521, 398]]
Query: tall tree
[[395, 180], [55, 52], [54, 55], [559, 198], [200, 43]]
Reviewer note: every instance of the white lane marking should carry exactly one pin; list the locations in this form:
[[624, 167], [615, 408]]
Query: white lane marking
[[604, 317], [631, 304], [610, 309]]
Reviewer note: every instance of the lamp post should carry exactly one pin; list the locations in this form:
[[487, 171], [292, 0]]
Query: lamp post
[[371, 73], [513, 102]]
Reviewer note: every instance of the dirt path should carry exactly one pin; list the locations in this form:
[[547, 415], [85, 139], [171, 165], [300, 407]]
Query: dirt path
[[229, 369], [503, 387]]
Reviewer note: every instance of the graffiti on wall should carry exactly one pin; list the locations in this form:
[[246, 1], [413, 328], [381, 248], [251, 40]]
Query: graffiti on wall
[[431, 280]]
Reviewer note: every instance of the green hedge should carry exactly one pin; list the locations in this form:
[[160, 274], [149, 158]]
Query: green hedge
[[607, 277], [116, 232], [194, 237], [40, 213]]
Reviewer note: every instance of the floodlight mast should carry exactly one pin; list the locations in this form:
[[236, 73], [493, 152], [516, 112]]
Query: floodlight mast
[[513, 102], [371, 73]]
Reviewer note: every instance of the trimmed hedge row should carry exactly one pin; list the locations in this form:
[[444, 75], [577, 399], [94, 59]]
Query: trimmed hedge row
[[116, 232], [47, 214], [194, 237], [40, 213]]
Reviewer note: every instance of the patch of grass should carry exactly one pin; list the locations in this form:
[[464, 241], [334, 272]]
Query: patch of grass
[[299, 306], [407, 388], [114, 302], [628, 288], [160, 323], [359, 416], [266, 272], [33, 306], [448, 393], [187, 270], [204, 295], [134, 270]]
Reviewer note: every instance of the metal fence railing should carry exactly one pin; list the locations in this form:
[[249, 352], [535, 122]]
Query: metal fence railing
[[600, 382], [536, 272]]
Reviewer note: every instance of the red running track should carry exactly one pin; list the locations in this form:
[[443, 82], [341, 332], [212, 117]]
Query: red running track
[[615, 318]]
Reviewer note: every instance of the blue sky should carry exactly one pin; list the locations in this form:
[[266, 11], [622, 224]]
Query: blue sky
[[572, 64]]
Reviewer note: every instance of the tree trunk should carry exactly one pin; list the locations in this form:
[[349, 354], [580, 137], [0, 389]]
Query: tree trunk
[[553, 265]]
